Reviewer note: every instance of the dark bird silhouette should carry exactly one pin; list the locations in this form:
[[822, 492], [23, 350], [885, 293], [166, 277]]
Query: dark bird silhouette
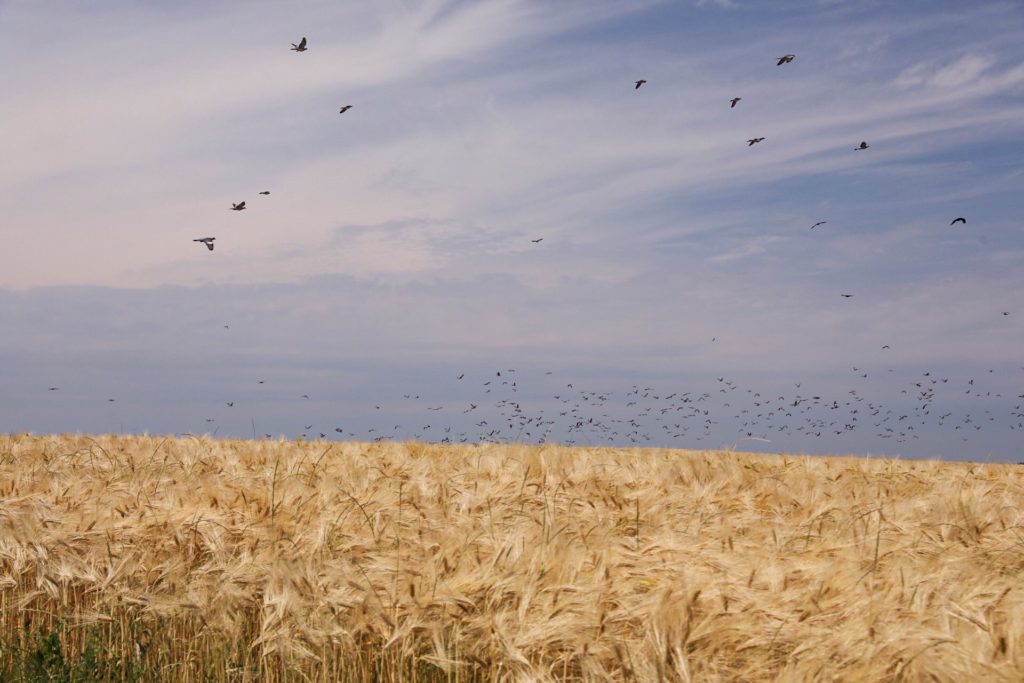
[[345, 109], [961, 219], [538, 240], [1006, 313], [846, 296], [240, 206], [862, 145], [461, 376], [785, 59], [753, 141], [818, 223], [639, 83], [265, 192], [231, 404], [53, 388], [301, 47], [886, 346], [208, 241], [734, 101]]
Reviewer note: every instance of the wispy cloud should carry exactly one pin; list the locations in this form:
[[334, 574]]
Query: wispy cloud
[[751, 247]]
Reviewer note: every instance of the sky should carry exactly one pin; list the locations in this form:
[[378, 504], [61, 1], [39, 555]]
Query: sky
[[678, 286]]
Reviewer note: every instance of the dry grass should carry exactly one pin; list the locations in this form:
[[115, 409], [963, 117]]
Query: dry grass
[[198, 559]]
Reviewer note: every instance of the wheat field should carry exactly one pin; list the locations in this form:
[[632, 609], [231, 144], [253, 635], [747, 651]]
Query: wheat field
[[194, 559]]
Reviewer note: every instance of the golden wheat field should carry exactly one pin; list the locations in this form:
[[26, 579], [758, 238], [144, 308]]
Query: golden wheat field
[[193, 559]]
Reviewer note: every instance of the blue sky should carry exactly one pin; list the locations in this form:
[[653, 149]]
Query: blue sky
[[394, 251]]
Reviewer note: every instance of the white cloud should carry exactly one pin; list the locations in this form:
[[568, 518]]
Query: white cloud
[[965, 70], [751, 247]]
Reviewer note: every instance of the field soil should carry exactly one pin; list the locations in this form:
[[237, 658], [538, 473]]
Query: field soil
[[148, 558]]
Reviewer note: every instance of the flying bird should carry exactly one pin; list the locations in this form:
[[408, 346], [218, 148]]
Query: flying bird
[[345, 109], [785, 59], [734, 101], [862, 145], [818, 223], [639, 83], [240, 206], [301, 47], [961, 219], [750, 143], [538, 240], [265, 192], [53, 388], [208, 241], [846, 296], [886, 346]]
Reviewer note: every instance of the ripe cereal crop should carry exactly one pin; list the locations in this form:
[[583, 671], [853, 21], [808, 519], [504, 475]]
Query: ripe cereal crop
[[192, 559]]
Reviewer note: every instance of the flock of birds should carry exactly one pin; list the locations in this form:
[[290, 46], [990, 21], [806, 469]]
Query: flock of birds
[[302, 46], [512, 410], [511, 406]]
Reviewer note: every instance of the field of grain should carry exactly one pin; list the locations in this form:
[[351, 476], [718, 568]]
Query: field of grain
[[135, 558]]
